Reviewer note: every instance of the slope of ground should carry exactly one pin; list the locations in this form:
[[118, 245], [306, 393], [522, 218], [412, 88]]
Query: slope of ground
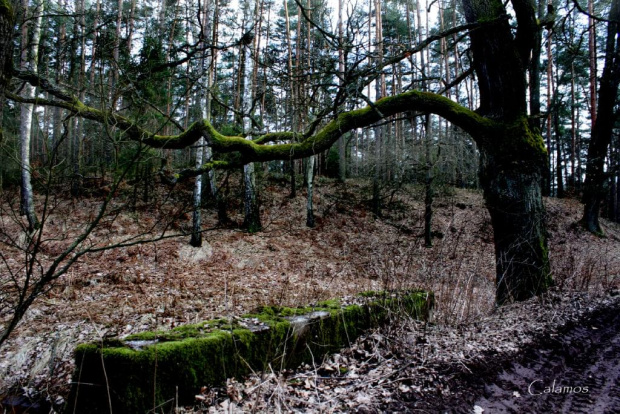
[[166, 283]]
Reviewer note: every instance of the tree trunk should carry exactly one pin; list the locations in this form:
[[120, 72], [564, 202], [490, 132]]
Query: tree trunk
[[513, 196], [379, 129], [574, 181], [292, 101], [196, 239], [594, 186], [559, 170], [114, 96], [592, 61], [310, 187], [6, 50], [29, 63], [551, 97], [514, 159], [78, 123], [428, 183], [342, 149], [252, 211]]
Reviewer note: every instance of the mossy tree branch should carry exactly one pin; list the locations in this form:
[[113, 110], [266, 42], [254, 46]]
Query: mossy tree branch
[[284, 146]]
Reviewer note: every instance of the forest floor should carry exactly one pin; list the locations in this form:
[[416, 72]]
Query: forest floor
[[406, 366]]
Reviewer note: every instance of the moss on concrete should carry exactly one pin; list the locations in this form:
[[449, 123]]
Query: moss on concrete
[[152, 369]]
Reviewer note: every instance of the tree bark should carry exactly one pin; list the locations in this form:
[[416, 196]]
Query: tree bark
[[574, 180], [251, 209], [310, 186], [594, 186], [592, 61], [512, 191], [378, 129], [342, 149], [551, 97], [29, 61], [77, 136], [559, 170], [428, 183], [512, 162], [292, 101], [196, 238], [7, 17]]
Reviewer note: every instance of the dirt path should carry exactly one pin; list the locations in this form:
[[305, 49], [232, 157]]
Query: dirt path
[[577, 371]]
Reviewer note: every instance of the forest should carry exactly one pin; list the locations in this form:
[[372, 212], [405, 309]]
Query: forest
[[165, 162]]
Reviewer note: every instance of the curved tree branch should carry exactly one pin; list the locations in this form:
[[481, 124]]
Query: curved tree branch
[[257, 150]]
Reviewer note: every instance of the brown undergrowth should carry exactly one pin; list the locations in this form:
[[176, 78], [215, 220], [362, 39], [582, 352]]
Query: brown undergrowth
[[166, 283]]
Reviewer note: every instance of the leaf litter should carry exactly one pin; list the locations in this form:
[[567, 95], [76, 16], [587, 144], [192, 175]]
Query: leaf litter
[[168, 283]]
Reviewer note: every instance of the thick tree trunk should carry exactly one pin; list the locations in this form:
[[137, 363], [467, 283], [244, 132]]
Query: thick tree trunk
[[513, 160], [511, 178]]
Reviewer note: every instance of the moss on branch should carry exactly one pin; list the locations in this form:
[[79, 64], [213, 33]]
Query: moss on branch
[[269, 147], [6, 9]]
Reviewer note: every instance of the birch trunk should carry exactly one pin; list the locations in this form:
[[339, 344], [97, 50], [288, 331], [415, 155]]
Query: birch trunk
[[310, 186], [196, 239], [29, 63]]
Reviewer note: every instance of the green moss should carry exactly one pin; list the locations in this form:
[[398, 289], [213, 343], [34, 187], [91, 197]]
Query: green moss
[[516, 144], [190, 330], [213, 323], [267, 313], [372, 293], [254, 228], [284, 311], [6, 8], [329, 304], [188, 357]]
